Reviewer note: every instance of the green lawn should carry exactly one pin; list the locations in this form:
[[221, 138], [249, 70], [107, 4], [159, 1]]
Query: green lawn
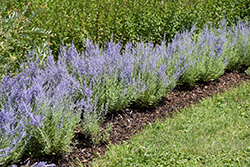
[[216, 132]]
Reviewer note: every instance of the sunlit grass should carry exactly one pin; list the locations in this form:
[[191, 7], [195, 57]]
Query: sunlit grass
[[215, 132]]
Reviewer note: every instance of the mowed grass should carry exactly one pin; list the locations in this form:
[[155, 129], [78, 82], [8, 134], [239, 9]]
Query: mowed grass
[[215, 132]]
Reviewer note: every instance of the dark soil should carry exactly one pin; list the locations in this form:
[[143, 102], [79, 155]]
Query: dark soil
[[133, 119]]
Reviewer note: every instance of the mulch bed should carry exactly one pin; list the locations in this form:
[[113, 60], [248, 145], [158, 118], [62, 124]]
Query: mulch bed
[[133, 119]]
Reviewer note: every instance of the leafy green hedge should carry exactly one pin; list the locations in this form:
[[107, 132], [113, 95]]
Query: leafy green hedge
[[17, 37], [127, 19]]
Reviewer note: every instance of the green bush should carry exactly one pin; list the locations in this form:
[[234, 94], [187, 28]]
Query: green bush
[[17, 37], [127, 19]]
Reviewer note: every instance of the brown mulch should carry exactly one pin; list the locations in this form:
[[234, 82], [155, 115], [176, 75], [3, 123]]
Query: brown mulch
[[133, 120]]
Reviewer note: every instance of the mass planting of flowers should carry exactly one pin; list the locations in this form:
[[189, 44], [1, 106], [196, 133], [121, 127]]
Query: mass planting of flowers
[[43, 104]]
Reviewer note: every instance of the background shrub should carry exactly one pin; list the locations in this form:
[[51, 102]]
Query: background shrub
[[126, 19], [17, 36]]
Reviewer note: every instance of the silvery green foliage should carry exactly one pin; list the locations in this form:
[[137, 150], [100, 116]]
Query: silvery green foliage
[[213, 50], [238, 46], [141, 73], [16, 117], [92, 120], [55, 101], [205, 51], [114, 79], [38, 110], [159, 69]]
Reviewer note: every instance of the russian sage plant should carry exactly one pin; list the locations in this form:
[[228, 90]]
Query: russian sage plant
[[16, 118], [61, 94], [92, 119], [212, 51], [206, 52], [110, 79], [54, 99], [102, 70], [45, 112], [159, 69], [140, 73], [238, 46]]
